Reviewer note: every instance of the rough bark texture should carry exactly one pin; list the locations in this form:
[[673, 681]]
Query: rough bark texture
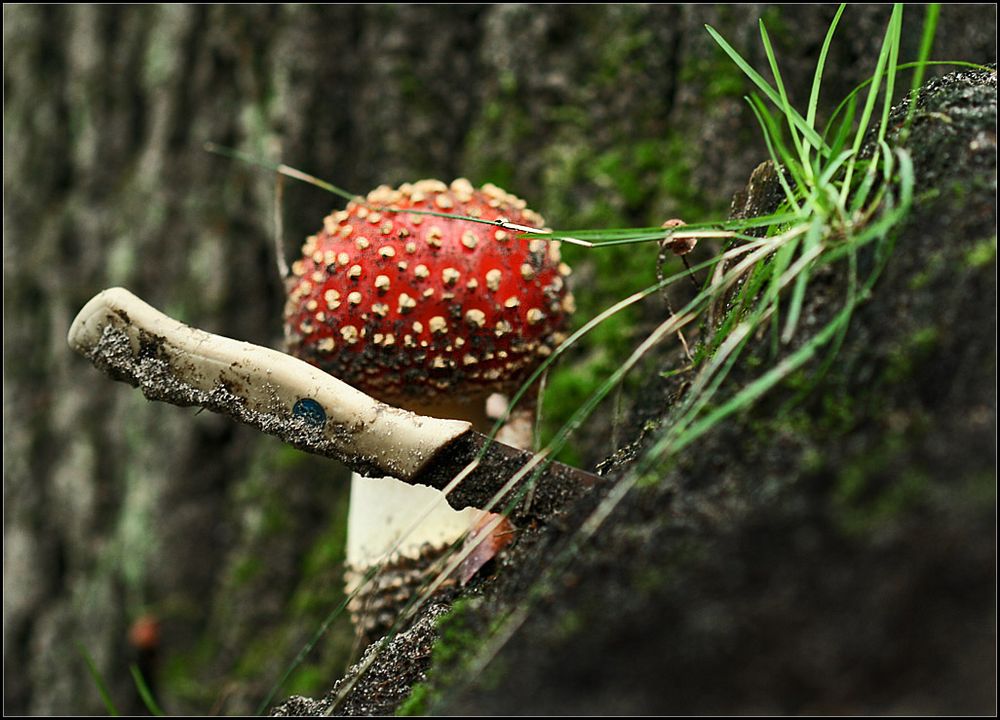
[[601, 115]]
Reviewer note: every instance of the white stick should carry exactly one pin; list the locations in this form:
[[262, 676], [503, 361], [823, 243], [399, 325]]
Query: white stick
[[267, 389]]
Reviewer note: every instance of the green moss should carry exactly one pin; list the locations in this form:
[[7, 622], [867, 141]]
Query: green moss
[[920, 280], [860, 515], [319, 593], [647, 581], [329, 549], [184, 674], [980, 490], [623, 49], [458, 638], [719, 76], [246, 570], [634, 175], [923, 339], [982, 254], [777, 28], [266, 512], [418, 701], [914, 351], [839, 413], [811, 460], [878, 486]]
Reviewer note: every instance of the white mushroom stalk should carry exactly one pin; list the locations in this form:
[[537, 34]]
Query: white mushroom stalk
[[391, 521]]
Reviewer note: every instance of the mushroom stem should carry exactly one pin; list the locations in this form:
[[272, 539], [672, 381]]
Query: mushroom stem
[[389, 518], [406, 529]]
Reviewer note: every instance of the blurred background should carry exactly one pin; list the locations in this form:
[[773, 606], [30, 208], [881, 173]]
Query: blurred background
[[204, 552]]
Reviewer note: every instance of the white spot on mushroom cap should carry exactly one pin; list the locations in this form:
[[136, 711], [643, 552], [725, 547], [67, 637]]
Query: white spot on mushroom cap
[[462, 185], [475, 317], [406, 303], [493, 278], [350, 334]]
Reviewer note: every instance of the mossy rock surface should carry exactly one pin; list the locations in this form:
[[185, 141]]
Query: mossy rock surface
[[834, 555]]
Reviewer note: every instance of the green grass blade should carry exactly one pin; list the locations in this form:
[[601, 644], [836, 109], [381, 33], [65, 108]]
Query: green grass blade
[[861, 194], [598, 320], [658, 232], [888, 162], [759, 387], [278, 168], [786, 105], [782, 259], [95, 675], [926, 43], [811, 135], [893, 39], [869, 104], [824, 185], [144, 692], [844, 128], [820, 64], [289, 171], [818, 76], [676, 322], [812, 239], [778, 165]]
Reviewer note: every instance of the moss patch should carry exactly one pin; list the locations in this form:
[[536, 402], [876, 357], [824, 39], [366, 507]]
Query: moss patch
[[459, 635]]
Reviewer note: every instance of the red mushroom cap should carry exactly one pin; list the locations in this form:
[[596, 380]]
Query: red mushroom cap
[[410, 307]]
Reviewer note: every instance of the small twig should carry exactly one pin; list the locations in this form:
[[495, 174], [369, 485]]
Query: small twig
[[279, 228]]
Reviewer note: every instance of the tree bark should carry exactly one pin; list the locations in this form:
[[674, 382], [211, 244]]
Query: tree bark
[[117, 509]]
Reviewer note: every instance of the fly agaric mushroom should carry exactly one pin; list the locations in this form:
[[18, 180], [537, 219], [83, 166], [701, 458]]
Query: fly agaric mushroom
[[433, 315], [413, 308]]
